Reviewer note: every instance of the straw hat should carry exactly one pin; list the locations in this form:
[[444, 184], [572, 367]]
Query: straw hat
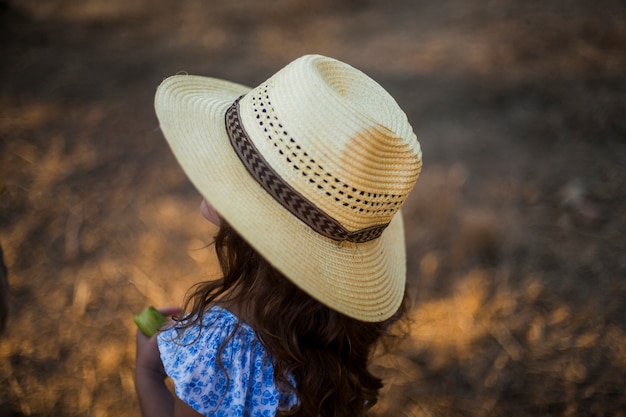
[[311, 168]]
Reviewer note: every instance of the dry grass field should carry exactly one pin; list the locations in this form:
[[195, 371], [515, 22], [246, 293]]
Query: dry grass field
[[515, 232]]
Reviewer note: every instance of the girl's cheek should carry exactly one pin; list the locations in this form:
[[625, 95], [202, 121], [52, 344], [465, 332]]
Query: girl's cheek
[[209, 213]]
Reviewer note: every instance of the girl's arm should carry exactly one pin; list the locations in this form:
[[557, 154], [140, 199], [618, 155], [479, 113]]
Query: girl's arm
[[155, 399]]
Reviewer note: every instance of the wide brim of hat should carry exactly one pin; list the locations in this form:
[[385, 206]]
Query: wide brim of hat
[[364, 281]]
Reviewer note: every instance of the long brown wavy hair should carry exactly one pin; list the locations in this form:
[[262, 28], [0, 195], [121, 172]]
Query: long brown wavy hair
[[326, 352]]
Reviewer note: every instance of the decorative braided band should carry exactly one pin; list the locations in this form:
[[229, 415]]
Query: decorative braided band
[[284, 193]]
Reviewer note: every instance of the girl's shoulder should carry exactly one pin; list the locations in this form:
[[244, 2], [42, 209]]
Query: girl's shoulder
[[219, 328], [220, 364]]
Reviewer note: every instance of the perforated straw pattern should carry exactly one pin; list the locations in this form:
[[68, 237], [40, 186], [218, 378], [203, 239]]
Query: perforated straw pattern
[[290, 149], [338, 139], [282, 192]]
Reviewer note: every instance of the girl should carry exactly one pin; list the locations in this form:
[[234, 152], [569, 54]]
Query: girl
[[305, 176]]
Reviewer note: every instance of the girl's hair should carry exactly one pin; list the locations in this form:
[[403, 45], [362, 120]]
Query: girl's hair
[[325, 351]]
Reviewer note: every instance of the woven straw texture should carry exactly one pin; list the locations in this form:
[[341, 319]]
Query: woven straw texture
[[334, 136]]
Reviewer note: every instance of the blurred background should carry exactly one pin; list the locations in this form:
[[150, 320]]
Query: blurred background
[[515, 232]]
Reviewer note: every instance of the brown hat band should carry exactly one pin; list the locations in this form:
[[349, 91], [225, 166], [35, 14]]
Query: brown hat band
[[284, 193]]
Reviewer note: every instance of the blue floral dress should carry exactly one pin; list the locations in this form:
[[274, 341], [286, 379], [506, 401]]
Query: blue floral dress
[[243, 386]]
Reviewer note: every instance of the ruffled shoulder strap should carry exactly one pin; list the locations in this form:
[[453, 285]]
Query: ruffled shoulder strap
[[221, 368]]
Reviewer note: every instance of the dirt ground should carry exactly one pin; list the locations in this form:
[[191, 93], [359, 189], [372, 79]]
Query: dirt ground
[[515, 232]]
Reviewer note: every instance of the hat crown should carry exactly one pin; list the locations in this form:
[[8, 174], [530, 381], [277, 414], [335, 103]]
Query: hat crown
[[337, 138]]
